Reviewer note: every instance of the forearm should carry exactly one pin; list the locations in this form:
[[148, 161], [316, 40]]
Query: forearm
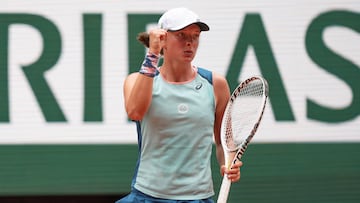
[[138, 89], [220, 155], [139, 99]]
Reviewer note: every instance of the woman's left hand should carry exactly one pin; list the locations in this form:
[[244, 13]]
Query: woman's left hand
[[233, 174]]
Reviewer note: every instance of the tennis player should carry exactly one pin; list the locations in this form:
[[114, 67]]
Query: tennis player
[[178, 109]]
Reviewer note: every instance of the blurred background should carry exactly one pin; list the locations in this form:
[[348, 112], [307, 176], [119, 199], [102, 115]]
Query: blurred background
[[64, 134]]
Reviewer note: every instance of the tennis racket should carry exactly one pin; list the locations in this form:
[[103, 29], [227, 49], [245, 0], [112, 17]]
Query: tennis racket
[[241, 119]]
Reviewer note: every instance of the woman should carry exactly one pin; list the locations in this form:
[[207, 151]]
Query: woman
[[178, 109]]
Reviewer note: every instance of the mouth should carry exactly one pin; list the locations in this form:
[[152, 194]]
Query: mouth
[[188, 53]]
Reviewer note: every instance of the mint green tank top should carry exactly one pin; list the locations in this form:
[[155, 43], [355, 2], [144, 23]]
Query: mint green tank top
[[175, 140]]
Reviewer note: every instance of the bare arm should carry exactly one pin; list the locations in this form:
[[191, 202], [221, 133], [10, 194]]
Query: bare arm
[[137, 95], [138, 87], [222, 95]]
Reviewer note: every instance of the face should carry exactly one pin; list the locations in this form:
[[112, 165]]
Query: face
[[182, 44]]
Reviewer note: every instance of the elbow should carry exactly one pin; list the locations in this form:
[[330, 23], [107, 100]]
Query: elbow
[[136, 111], [134, 114], [135, 117]]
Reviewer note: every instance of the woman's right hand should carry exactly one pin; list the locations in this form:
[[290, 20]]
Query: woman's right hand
[[156, 40]]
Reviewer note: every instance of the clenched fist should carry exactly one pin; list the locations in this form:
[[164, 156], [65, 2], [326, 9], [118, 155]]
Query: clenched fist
[[156, 40]]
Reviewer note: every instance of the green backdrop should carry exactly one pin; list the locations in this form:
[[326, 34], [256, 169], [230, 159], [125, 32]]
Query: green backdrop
[[286, 172]]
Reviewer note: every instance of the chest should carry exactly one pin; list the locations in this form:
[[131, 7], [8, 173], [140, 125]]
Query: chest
[[181, 103]]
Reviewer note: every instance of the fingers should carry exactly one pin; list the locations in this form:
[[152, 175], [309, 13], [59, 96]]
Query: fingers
[[233, 173], [156, 37], [223, 169]]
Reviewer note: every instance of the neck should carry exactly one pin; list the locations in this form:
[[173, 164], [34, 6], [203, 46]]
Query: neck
[[177, 72]]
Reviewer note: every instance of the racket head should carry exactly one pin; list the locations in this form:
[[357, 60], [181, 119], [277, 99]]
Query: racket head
[[242, 115]]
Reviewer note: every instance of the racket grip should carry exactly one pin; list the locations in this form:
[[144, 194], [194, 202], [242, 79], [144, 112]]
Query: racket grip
[[224, 190]]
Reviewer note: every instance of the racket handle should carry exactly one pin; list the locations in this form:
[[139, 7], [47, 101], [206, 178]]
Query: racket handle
[[224, 190]]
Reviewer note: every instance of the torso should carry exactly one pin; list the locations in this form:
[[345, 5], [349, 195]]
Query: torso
[[176, 137]]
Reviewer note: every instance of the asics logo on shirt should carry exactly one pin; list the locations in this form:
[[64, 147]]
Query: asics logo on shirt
[[198, 86]]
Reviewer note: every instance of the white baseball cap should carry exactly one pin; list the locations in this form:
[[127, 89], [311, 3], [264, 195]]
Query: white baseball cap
[[179, 18]]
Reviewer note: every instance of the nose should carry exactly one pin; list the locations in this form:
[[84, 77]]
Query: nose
[[189, 40]]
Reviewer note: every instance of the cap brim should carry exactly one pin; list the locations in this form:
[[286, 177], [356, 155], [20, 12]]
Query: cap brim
[[202, 26]]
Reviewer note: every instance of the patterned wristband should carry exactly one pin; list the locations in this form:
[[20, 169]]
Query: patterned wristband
[[149, 66]]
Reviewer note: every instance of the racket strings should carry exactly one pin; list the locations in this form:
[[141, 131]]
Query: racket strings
[[230, 143], [242, 114]]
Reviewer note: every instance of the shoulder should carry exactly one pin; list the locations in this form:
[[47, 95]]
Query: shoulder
[[207, 74], [220, 82], [221, 89]]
